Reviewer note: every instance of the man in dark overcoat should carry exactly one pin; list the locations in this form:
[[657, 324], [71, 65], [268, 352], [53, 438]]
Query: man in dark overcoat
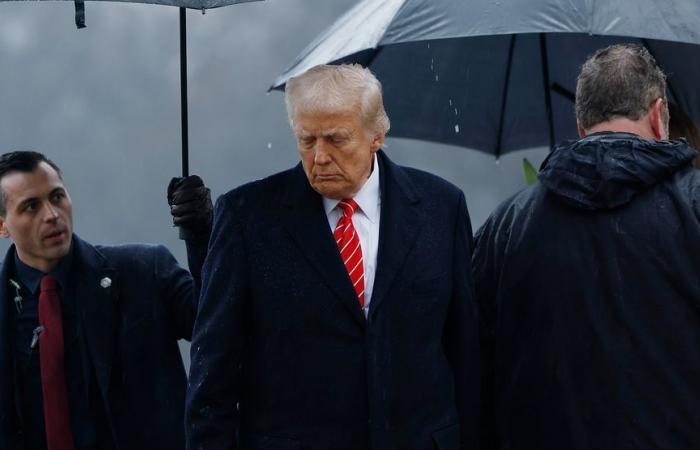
[[337, 309], [89, 358]]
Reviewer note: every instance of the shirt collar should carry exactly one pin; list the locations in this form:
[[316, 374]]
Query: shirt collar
[[31, 277], [367, 198]]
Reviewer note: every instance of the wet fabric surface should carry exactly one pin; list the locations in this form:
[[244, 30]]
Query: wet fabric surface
[[589, 289]]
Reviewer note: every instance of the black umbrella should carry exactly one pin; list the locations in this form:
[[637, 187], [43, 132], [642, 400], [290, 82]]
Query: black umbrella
[[201, 5], [499, 76]]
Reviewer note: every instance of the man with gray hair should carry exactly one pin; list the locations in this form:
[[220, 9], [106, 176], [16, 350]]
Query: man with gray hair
[[588, 281], [337, 308]]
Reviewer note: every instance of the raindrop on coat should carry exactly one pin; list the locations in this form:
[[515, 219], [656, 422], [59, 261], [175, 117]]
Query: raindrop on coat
[[456, 129], [450, 102], [437, 77]]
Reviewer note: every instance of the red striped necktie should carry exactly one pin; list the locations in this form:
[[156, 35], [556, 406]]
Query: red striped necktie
[[51, 362], [350, 250]]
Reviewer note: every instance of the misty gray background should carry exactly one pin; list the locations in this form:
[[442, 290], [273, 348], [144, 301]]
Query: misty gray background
[[104, 104]]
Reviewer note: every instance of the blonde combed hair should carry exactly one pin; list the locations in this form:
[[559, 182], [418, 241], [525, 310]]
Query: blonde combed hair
[[338, 89]]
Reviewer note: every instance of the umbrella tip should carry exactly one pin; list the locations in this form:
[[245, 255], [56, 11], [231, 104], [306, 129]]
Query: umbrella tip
[[80, 14]]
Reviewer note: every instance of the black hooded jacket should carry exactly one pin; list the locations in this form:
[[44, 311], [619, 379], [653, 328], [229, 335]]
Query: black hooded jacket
[[589, 285]]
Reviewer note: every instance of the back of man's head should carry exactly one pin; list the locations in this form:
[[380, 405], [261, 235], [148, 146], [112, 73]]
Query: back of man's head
[[620, 81], [21, 161], [327, 89]]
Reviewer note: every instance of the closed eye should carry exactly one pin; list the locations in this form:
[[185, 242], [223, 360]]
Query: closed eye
[[307, 141], [338, 141]]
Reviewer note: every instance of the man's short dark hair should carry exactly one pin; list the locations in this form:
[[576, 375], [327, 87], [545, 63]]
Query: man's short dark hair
[[21, 161], [622, 80]]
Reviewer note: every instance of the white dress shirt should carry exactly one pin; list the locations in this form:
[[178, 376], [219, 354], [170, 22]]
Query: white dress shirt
[[366, 223]]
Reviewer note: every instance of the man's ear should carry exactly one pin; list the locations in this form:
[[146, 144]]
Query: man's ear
[[656, 120], [377, 142], [4, 232], [581, 131]]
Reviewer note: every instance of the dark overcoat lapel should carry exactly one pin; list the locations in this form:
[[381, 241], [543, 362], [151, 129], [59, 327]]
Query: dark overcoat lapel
[[305, 219], [96, 287], [401, 220]]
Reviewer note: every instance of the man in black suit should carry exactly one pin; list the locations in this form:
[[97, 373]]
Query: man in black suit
[[88, 334], [296, 347]]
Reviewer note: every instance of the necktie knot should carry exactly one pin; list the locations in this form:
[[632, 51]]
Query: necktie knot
[[48, 283], [349, 206]]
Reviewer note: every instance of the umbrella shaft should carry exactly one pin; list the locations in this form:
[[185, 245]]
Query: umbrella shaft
[[183, 92]]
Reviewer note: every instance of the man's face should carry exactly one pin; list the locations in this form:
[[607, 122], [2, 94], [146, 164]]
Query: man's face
[[38, 217], [336, 151]]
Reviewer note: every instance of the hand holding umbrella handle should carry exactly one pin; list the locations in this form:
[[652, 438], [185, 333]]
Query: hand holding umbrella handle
[[191, 207]]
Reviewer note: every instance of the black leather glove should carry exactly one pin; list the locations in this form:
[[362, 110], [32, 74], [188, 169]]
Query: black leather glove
[[191, 207]]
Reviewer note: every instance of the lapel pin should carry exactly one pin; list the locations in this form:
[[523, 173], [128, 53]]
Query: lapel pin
[[106, 282]]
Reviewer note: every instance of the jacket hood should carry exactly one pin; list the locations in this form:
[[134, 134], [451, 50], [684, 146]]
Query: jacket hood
[[606, 170]]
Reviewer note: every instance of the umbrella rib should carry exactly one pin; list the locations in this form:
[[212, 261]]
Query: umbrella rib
[[504, 99], [564, 92]]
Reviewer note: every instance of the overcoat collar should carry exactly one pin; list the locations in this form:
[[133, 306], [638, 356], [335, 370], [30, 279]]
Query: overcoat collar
[[306, 221]]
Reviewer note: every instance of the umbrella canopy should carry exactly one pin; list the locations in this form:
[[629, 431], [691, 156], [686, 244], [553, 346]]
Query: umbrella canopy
[[183, 5], [191, 4], [499, 76]]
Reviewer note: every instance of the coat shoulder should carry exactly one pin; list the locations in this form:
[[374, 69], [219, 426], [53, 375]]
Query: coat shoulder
[[509, 216], [259, 193], [131, 251], [517, 204], [137, 258], [428, 181]]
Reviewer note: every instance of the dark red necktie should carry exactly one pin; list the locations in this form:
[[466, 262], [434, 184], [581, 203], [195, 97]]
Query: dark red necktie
[[53, 375], [350, 250]]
